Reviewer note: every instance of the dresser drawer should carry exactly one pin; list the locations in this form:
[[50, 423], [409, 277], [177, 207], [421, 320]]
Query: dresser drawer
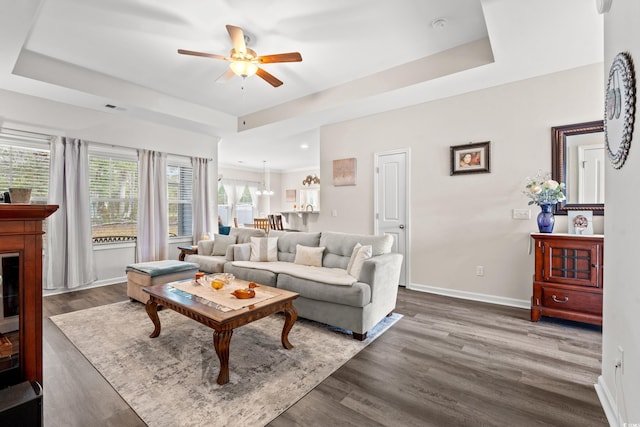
[[564, 299]]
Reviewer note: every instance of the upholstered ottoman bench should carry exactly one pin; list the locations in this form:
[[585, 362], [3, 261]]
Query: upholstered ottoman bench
[[154, 273]]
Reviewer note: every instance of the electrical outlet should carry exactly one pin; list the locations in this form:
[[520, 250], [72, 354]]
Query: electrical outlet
[[334, 212], [620, 360], [479, 270], [521, 214]]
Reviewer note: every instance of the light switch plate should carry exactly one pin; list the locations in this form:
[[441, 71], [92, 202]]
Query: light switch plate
[[521, 214]]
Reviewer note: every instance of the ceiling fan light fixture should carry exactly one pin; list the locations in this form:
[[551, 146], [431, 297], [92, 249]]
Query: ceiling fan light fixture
[[243, 68]]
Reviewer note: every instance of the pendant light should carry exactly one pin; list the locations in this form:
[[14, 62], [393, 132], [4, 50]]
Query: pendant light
[[265, 188]]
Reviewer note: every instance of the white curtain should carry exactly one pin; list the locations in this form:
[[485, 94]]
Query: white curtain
[[202, 218], [68, 261], [153, 207]]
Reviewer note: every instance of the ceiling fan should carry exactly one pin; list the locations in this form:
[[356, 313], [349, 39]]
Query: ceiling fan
[[244, 61]]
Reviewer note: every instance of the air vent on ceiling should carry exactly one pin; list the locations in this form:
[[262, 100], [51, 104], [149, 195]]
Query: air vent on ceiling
[[114, 107]]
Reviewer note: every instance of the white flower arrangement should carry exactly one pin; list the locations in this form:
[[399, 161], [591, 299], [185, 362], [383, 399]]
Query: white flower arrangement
[[542, 190]]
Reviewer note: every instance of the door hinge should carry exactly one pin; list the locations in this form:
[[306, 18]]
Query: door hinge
[[377, 169], [377, 215]]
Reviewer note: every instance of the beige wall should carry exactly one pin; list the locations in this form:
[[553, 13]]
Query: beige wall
[[622, 290], [459, 222]]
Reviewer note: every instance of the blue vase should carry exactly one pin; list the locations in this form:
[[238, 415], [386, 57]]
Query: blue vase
[[546, 219]]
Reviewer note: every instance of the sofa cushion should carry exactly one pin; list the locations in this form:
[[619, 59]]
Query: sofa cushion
[[244, 235], [339, 246], [262, 277], [359, 255], [208, 263], [307, 255], [356, 295], [220, 244], [264, 249], [205, 247], [288, 240], [334, 276]]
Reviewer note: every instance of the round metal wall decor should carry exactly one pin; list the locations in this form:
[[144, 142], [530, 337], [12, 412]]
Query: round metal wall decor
[[620, 108]]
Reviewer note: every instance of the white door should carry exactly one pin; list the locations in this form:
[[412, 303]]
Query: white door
[[391, 198], [591, 174]]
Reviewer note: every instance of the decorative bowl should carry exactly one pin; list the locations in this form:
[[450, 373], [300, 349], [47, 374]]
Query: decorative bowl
[[244, 293], [225, 278]]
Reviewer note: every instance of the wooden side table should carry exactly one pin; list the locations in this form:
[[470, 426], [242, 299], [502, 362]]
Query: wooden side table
[[187, 250]]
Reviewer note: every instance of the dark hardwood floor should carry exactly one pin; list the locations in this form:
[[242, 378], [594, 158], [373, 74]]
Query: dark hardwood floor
[[448, 362]]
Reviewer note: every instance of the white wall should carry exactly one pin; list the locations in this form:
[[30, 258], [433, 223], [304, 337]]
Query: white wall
[[459, 222], [622, 290]]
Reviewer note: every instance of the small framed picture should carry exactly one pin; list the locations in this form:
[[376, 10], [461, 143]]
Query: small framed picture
[[470, 158], [580, 222], [344, 172], [290, 196]]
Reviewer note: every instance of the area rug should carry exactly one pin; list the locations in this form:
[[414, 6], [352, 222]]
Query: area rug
[[171, 380]]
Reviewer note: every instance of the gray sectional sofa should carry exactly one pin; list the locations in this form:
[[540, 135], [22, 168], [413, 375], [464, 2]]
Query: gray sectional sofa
[[327, 293]]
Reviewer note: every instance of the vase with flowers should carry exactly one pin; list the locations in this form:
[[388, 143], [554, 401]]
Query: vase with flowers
[[546, 193]]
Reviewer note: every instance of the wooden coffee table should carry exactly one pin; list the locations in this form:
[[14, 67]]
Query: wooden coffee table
[[222, 323]]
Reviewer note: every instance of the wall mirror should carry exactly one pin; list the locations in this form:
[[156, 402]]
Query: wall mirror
[[577, 159]]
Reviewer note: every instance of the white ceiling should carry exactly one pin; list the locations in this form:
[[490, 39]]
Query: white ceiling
[[360, 57]]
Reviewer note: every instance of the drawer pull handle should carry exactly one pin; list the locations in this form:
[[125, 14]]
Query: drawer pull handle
[[561, 301]]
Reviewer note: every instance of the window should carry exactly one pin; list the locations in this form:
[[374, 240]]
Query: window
[[25, 167], [113, 187], [236, 199], [180, 183], [244, 207], [224, 209]]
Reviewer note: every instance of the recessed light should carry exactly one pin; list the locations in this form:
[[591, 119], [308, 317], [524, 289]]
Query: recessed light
[[304, 146]]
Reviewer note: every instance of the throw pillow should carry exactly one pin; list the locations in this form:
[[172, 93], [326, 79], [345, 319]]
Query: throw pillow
[[364, 253], [220, 244], [354, 253], [308, 255], [264, 249]]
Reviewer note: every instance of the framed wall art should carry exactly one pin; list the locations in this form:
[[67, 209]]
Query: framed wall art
[[580, 222], [344, 172], [290, 196], [470, 158]]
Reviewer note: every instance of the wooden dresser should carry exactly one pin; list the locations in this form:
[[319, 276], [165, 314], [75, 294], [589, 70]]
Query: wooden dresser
[[568, 277]]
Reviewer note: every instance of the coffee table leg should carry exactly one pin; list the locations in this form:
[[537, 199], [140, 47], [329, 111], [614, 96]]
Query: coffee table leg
[[152, 311], [221, 340], [290, 316]]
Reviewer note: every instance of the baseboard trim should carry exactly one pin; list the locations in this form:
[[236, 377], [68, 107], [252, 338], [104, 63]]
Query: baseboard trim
[[96, 284], [493, 299], [607, 402]]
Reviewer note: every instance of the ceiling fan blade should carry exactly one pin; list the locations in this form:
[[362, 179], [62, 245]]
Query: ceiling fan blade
[[280, 57], [237, 38], [269, 78], [226, 76], [206, 55]]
